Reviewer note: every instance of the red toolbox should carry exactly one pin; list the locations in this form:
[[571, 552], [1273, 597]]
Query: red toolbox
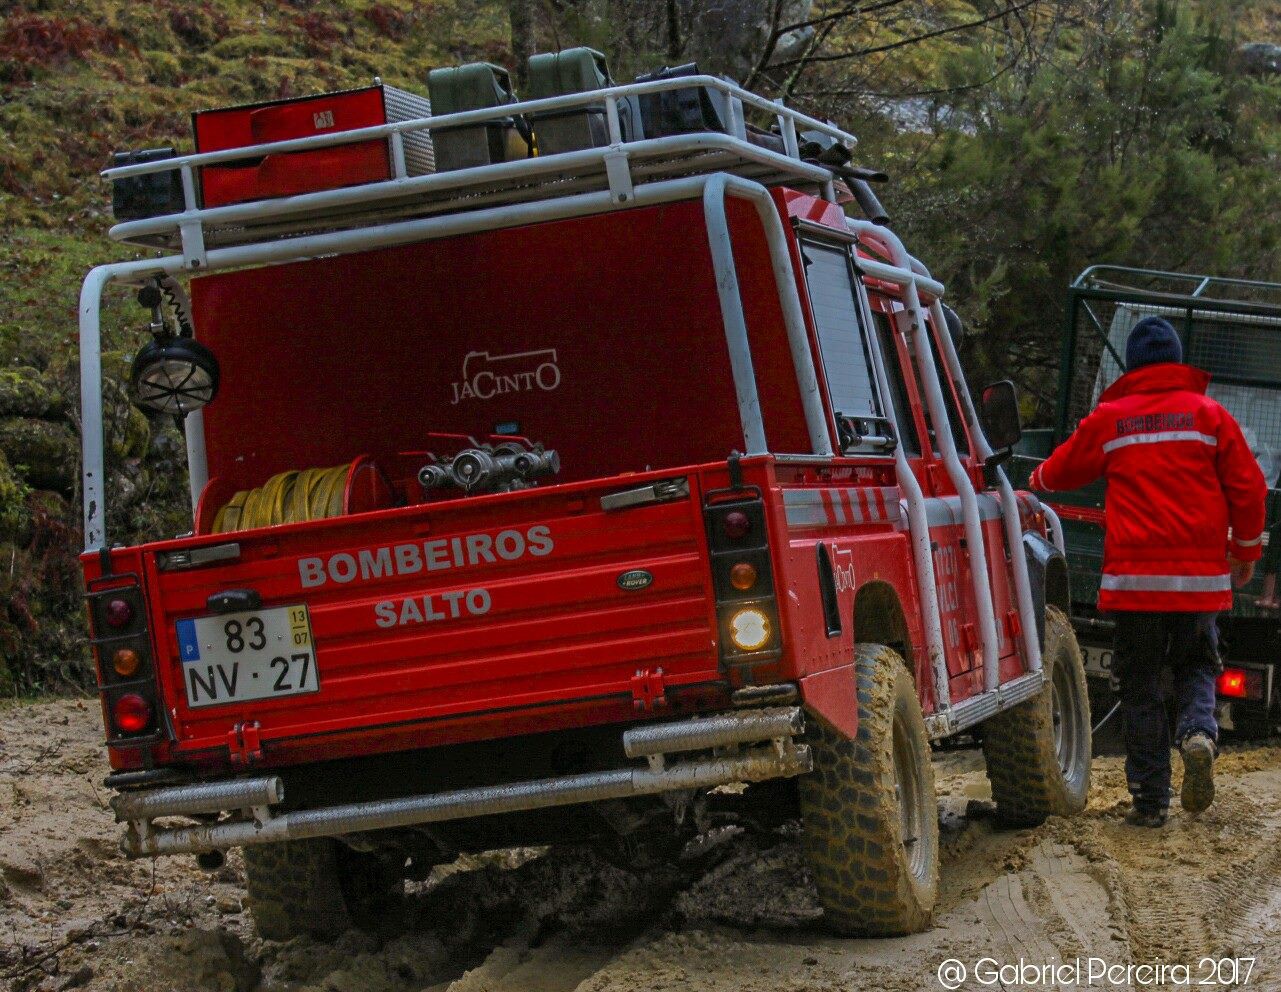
[[291, 173]]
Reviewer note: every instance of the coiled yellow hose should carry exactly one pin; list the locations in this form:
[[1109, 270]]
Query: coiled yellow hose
[[286, 498]]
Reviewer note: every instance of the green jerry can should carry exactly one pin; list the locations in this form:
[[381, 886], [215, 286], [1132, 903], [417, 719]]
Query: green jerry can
[[475, 86], [575, 70]]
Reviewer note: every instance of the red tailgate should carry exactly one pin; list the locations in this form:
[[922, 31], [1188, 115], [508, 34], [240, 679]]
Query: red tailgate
[[397, 644]]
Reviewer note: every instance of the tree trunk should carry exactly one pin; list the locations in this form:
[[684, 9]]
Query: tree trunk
[[521, 14]]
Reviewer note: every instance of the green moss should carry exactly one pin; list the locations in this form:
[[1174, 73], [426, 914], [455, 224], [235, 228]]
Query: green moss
[[163, 68], [14, 514], [26, 392], [247, 45], [44, 452]]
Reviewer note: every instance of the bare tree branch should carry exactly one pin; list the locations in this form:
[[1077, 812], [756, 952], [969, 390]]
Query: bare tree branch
[[905, 42], [844, 12], [771, 43]]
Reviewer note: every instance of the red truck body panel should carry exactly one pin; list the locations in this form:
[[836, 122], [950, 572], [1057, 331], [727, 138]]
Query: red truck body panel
[[603, 338], [619, 312]]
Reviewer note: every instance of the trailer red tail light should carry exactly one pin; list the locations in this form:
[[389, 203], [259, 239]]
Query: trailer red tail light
[[1240, 683], [737, 525], [131, 714], [118, 613]]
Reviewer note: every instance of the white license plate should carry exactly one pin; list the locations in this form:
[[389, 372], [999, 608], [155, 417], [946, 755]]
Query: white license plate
[[1098, 661], [235, 657]]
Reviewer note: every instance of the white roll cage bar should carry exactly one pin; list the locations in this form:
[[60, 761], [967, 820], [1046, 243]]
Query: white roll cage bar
[[621, 175]]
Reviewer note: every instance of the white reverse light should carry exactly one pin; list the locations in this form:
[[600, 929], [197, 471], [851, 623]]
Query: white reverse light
[[749, 629]]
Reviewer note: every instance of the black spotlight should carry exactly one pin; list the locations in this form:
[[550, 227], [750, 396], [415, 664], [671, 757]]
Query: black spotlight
[[171, 374], [175, 376]]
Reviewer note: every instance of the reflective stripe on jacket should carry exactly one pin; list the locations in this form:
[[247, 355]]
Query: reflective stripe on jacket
[[1179, 476]]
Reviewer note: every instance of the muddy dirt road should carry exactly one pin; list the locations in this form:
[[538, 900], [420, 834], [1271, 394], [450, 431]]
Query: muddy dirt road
[[75, 914]]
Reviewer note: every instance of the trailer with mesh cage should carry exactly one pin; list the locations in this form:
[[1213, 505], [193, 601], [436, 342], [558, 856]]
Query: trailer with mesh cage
[[1231, 328]]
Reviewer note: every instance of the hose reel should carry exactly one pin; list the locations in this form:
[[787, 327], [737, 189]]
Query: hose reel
[[286, 498], [388, 481]]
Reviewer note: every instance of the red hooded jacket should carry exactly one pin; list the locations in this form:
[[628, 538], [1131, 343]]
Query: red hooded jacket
[[1179, 475]]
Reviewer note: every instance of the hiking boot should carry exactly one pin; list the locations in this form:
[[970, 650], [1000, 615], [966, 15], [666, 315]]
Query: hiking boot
[[1198, 772], [1147, 817]]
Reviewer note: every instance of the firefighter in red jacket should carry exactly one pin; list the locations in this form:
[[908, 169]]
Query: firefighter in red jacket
[[1184, 520]]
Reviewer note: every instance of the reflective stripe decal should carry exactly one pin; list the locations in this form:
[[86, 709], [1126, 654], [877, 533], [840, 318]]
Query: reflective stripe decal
[[1248, 544], [835, 506], [805, 508], [945, 511], [1156, 437], [1167, 583]]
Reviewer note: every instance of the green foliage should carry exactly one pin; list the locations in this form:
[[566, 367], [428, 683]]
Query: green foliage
[[1141, 144]]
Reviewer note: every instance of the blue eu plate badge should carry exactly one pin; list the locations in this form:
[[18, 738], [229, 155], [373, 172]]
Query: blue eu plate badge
[[188, 643]]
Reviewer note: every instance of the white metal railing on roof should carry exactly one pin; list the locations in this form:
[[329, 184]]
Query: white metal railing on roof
[[618, 166]]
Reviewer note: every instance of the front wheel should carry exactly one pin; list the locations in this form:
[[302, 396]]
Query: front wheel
[[869, 816], [1038, 753]]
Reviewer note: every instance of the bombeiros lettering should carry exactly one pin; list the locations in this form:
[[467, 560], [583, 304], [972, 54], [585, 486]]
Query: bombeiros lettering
[[425, 557], [1152, 422]]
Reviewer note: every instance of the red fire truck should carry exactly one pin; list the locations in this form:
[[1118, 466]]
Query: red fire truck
[[537, 497]]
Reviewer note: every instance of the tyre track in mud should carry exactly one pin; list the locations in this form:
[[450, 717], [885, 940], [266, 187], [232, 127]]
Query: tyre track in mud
[[75, 914]]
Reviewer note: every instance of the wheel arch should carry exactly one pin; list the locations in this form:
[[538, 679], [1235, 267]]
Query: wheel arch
[[879, 618], [1048, 572]]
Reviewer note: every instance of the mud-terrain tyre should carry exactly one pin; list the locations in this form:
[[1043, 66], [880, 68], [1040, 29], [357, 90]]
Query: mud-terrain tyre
[[1038, 753], [869, 815], [321, 887]]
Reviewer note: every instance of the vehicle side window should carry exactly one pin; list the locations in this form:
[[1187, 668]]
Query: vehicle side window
[[898, 385], [846, 360], [949, 401]]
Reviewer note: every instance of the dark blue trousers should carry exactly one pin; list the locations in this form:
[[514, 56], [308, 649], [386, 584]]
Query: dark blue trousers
[[1147, 646]]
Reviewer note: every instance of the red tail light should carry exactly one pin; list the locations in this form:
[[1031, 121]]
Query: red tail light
[[131, 714], [1241, 683], [118, 613], [737, 524], [1232, 683]]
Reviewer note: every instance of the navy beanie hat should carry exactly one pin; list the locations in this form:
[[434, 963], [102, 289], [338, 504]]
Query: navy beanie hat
[[1153, 340]]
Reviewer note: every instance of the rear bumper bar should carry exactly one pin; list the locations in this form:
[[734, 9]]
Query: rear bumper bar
[[747, 746]]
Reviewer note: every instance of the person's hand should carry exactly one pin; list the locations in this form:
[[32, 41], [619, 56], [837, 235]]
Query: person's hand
[[1242, 572]]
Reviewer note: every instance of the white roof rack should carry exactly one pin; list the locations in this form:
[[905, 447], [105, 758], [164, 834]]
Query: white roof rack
[[619, 167]]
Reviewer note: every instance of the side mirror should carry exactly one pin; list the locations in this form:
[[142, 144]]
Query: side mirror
[[174, 375], [999, 414]]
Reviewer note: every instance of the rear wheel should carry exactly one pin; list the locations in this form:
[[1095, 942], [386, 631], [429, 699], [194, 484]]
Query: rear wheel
[[1038, 753], [868, 810], [321, 887]]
